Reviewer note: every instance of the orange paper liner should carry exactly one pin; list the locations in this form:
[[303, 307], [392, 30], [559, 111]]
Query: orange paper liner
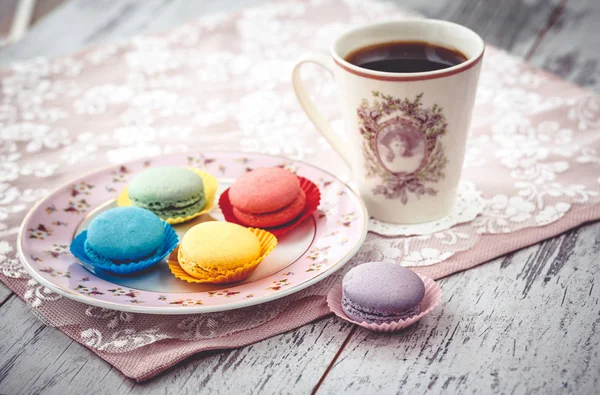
[[313, 199], [433, 295], [211, 185], [267, 243]]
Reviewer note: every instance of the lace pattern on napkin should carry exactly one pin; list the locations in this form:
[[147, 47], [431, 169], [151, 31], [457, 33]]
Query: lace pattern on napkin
[[534, 151]]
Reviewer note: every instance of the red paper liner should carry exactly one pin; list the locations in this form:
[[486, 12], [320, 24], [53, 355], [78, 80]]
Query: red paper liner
[[433, 295], [313, 199]]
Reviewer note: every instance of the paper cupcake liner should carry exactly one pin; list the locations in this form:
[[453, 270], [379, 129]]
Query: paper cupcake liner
[[313, 199], [267, 243], [433, 295], [169, 243], [211, 185]]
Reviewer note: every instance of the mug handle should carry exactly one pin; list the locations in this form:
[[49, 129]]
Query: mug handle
[[309, 108]]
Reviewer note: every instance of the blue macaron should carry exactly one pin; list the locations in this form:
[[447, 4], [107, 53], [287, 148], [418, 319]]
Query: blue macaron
[[124, 234], [379, 292], [125, 240]]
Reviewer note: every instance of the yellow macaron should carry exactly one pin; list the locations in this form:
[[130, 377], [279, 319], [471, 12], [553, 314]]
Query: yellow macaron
[[211, 249]]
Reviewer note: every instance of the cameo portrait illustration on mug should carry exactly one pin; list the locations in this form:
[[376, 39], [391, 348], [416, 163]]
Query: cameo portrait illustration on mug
[[401, 145]]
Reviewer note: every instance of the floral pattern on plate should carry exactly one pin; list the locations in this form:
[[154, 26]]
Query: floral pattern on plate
[[337, 237]]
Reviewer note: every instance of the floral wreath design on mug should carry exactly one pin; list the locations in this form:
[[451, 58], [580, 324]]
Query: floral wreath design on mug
[[401, 145]]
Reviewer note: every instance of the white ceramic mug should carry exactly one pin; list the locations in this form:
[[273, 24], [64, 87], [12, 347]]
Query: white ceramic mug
[[405, 132]]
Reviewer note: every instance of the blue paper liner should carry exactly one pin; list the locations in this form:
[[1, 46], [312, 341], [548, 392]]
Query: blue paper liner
[[169, 243]]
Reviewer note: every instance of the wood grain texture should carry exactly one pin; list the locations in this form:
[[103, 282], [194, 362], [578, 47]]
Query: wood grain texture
[[43, 8], [512, 25], [7, 10], [534, 332], [27, 347], [524, 324], [571, 46], [94, 21], [54, 364], [288, 363], [35, 359], [5, 292], [8, 7]]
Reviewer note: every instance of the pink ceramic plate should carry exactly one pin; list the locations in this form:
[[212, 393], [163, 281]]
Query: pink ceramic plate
[[306, 255]]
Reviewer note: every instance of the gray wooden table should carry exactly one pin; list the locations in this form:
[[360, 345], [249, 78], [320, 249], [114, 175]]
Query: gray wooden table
[[538, 332]]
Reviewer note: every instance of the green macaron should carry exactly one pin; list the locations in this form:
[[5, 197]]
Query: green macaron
[[168, 191]]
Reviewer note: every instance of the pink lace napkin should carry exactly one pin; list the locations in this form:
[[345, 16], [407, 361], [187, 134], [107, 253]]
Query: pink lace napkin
[[224, 83]]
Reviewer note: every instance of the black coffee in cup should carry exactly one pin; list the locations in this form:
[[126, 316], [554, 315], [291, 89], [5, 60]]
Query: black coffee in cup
[[405, 57]]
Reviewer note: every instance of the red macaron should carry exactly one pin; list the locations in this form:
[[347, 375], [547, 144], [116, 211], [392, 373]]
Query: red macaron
[[264, 190], [275, 218], [266, 197], [270, 198]]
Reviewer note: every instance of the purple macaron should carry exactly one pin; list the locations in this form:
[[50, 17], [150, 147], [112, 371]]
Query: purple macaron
[[379, 292]]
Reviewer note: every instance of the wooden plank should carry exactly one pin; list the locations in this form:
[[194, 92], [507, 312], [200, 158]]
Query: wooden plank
[[43, 8], [511, 25], [35, 358], [288, 363], [92, 22], [7, 10], [571, 46], [55, 364], [5, 293], [99, 21], [52, 37], [528, 323], [22, 339]]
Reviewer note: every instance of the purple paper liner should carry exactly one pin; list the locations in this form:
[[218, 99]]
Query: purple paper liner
[[432, 298]]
